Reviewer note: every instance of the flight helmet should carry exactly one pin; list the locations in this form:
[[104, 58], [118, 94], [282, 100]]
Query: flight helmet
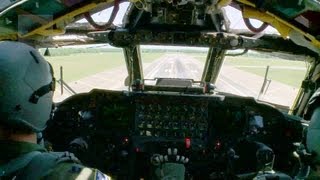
[[26, 87]]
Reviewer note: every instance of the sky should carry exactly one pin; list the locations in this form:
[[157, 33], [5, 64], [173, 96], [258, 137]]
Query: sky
[[234, 16]]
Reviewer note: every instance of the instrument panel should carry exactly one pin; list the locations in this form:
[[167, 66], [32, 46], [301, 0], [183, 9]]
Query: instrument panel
[[164, 116], [117, 131]]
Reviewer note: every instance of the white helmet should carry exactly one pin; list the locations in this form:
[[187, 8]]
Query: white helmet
[[26, 87]]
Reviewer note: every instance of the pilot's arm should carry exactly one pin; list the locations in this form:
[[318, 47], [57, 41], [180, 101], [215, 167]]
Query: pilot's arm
[[170, 166], [74, 171]]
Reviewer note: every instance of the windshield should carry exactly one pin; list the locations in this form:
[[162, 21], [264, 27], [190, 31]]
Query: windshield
[[173, 62], [270, 77], [80, 69]]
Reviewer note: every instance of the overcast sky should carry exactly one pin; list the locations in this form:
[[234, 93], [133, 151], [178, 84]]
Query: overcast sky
[[234, 16]]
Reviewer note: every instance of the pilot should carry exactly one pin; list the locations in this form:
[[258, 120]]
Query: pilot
[[313, 134], [26, 90]]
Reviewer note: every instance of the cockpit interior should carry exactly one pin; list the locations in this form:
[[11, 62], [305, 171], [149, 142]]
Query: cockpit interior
[[224, 135]]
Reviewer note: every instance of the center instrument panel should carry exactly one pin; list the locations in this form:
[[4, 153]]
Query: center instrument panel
[[118, 131], [170, 119]]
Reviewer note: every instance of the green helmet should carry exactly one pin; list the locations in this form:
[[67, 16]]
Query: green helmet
[[26, 87]]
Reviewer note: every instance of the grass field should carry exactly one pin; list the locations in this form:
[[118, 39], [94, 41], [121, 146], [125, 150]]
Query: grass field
[[255, 61], [287, 76], [77, 66], [285, 71]]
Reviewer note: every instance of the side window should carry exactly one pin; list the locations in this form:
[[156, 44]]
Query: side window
[[82, 68]]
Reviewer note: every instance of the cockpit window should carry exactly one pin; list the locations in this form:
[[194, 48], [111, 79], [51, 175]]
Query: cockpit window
[[173, 62], [271, 77], [237, 23], [104, 15], [82, 68]]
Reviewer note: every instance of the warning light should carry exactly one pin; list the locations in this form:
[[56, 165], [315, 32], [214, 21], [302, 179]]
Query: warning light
[[187, 142], [126, 140], [217, 145]]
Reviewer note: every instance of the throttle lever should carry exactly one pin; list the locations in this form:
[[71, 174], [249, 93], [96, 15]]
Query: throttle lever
[[232, 156], [305, 160], [265, 158]]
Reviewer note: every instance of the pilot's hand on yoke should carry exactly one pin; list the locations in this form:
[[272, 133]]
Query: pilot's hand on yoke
[[169, 166]]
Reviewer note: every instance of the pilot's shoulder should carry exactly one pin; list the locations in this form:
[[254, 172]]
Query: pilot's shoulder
[[69, 170]]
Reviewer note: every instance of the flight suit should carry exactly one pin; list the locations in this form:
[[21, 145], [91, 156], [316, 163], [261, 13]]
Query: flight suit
[[38, 168], [60, 165]]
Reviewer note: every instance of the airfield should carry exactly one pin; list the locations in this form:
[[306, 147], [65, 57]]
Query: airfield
[[232, 79]]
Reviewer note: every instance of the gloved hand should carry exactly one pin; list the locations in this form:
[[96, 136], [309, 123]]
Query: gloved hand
[[169, 166], [172, 156]]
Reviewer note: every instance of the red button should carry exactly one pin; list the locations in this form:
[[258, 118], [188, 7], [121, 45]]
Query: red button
[[187, 142]]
